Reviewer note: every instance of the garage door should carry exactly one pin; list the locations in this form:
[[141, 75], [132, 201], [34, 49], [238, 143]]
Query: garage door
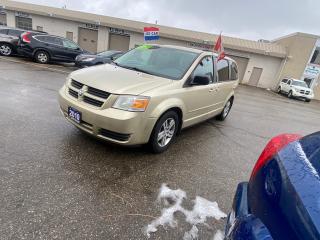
[[88, 39], [119, 42], [3, 19], [242, 65]]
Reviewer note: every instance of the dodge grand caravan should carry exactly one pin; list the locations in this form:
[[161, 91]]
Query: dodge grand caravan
[[149, 94]]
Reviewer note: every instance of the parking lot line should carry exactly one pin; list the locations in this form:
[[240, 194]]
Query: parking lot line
[[34, 64]]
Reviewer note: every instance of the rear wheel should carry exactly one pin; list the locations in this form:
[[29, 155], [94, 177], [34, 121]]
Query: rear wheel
[[164, 132], [279, 89], [290, 94], [5, 49], [42, 57], [226, 110]]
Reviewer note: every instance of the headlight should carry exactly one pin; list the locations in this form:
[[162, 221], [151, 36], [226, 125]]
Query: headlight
[[296, 89], [132, 103], [68, 80], [88, 59]]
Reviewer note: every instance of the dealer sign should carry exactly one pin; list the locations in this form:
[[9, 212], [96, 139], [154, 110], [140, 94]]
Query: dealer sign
[[151, 34]]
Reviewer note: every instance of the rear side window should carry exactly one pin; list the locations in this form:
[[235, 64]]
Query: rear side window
[[223, 70], [15, 33], [284, 81], [50, 40], [4, 31], [233, 71]]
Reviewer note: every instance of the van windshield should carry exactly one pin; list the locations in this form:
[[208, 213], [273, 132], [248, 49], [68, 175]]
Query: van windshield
[[159, 61], [299, 84]]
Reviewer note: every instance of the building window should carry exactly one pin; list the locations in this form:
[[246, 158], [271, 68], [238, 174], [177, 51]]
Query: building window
[[316, 56], [3, 19], [69, 35], [40, 28], [24, 23]]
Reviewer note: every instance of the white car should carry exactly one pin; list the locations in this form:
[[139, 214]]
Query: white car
[[295, 88]]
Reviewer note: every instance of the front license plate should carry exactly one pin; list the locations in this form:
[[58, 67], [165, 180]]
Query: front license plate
[[74, 115]]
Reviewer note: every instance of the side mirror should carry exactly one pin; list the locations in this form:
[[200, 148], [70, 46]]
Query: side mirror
[[200, 80]]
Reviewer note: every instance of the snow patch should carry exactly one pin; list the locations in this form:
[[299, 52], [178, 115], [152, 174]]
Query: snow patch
[[172, 200], [218, 236]]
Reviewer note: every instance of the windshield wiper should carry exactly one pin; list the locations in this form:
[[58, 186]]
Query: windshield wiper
[[138, 70], [132, 68]]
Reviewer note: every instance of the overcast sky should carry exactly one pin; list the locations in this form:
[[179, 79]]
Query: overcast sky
[[250, 19]]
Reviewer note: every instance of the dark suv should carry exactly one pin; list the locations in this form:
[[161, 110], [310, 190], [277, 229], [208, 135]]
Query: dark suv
[[44, 48], [9, 38]]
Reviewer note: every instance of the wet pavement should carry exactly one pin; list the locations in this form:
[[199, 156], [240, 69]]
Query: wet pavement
[[58, 183]]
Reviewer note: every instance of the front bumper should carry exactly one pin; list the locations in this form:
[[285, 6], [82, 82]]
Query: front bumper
[[114, 125], [239, 207], [82, 64], [302, 95]]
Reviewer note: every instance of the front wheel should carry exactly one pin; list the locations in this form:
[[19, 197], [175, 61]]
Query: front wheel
[[308, 100], [290, 94], [42, 57], [5, 49], [226, 110], [164, 132]]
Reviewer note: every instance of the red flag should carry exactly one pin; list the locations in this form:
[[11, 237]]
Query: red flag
[[218, 48]]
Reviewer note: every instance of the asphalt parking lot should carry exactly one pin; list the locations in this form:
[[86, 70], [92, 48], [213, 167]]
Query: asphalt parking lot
[[58, 183]]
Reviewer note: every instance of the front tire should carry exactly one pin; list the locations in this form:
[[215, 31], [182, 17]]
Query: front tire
[[226, 110], [164, 132], [290, 94], [6, 49], [308, 100], [279, 90], [42, 57]]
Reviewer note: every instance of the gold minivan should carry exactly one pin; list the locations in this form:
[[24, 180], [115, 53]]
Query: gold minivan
[[149, 94]]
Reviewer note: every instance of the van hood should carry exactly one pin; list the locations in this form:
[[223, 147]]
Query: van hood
[[117, 80]]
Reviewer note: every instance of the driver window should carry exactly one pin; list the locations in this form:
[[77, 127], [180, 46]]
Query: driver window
[[205, 68]]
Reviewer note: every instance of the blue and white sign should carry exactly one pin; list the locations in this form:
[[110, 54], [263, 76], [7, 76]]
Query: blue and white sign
[[151, 34]]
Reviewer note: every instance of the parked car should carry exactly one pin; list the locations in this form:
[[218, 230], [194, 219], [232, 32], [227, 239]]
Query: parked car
[[149, 94], [44, 48], [9, 38], [87, 60], [282, 198], [296, 88]]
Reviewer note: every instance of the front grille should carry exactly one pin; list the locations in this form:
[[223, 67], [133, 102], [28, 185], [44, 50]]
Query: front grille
[[307, 92], [113, 135], [302, 91], [73, 93], [92, 101], [98, 93], [76, 84]]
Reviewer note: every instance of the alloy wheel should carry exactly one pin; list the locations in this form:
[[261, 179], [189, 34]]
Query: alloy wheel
[[42, 57], [5, 50], [226, 109], [166, 132]]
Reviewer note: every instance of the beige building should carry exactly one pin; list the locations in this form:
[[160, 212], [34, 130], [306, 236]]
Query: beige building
[[261, 63]]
